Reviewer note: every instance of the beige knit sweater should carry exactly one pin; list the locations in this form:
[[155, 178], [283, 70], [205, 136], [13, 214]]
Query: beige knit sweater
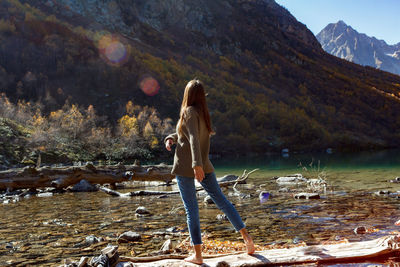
[[193, 146]]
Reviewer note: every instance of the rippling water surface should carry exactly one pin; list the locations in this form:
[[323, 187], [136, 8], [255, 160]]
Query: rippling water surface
[[46, 230]]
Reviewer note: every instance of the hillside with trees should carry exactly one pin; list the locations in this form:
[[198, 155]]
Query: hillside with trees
[[82, 79]]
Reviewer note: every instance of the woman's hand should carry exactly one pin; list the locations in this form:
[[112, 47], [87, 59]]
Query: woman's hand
[[168, 144], [198, 173]]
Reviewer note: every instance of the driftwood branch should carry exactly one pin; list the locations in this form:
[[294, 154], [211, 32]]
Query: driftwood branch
[[376, 250], [169, 257], [240, 179], [62, 177]]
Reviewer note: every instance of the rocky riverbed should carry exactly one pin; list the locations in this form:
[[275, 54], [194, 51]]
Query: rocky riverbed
[[46, 229]]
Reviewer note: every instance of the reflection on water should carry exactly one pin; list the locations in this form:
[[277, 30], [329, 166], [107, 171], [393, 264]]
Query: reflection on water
[[49, 229]]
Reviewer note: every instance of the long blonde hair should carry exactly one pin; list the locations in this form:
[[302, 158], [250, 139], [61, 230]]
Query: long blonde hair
[[195, 96]]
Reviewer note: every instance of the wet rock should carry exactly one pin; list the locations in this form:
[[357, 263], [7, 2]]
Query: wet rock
[[291, 179], [360, 230], [208, 200], [395, 180], [307, 196], [167, 246], [99, 261], [142, 210], [129, 237], [90, 240], [83, 186], [227, 178], [284, 190], [383, 192], [45, 194], [222, 217], [172, 229], [111, 252], [263, 196]]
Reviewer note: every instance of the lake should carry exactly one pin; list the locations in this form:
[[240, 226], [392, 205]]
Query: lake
[[46, 230]]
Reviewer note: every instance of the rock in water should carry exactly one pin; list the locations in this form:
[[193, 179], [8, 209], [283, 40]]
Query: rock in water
[[142, 210], [222, 217], [90, 240], [227, 178], [83, 186], [307, 196], [208, 200], [360, 230], [129, 237], [291, 179]]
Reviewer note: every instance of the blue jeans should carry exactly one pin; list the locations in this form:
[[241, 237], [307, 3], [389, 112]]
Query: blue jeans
[[189, 198]]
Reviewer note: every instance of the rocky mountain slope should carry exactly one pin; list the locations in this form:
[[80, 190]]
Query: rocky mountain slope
[[270, 84], [341, 40]]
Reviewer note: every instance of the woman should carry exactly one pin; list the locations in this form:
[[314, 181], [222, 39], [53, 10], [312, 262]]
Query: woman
[[192, 139]]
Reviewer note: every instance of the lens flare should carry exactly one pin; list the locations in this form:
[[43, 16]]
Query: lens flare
[[112, 50], [149, 86]]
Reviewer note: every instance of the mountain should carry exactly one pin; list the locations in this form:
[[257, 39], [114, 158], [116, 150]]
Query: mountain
[[270, 84], [343, 41]]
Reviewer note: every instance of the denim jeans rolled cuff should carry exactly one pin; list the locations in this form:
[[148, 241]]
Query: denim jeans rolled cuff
[[188, 194]]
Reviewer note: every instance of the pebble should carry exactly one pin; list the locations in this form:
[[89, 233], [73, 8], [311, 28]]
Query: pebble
[[47, 194], [172, 229], [291, 179], [90, 240], [307, 196], [227, 178], [383, 192], [142, 210], [129, 237], [395, 180], [208, 200], [360, 230], [222, 217]]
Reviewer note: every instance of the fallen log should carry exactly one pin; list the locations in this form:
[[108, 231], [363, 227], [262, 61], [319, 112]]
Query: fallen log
[[62, 177], [376, 250], [109, 191]]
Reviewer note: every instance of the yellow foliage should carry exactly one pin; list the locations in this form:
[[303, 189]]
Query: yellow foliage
[[148, 130], [154, 142], [128, 125], [129, 108], [56, 115], [38, 119]]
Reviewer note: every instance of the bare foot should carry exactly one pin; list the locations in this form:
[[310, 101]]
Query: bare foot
[[194, 259], [250, 246]]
